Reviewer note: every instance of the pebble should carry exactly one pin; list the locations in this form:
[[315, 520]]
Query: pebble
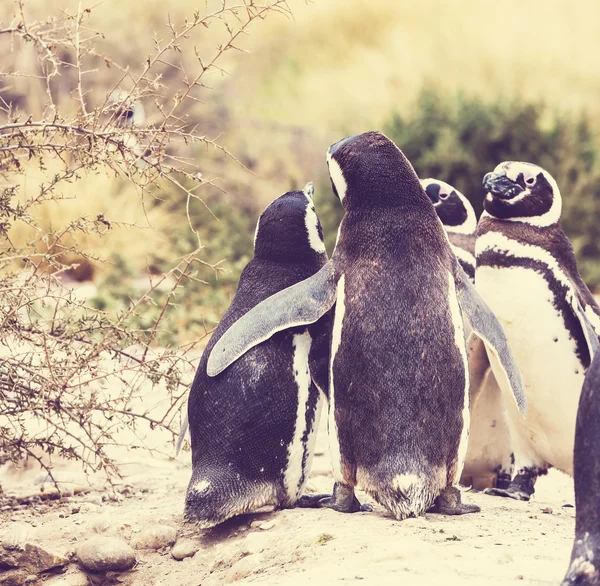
[[16, 536], [185, 548], [244, 568], [90, 508], [30, 557], [255, 543], [101, 554], [266, 526], [13, 578], [155, 537]]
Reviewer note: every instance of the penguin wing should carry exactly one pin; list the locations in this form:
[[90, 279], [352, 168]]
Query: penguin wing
[[184, 428], [486, 325], [301, 304], [590, 334]]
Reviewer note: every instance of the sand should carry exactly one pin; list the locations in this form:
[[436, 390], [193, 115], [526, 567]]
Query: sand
[[509, 542]]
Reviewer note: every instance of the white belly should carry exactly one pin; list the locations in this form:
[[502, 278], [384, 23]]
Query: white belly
[[551, 371]]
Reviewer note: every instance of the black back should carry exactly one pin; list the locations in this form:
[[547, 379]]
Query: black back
[[242, 421], [398, 375], [585, 559]]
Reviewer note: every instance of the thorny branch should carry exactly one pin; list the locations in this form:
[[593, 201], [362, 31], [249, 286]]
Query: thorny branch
[[73, 377]]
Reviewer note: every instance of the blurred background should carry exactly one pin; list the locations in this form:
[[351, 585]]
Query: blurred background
[[459, 86]]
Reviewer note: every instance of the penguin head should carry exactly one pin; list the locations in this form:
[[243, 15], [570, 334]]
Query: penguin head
[[522, 192], [289, 229], [452, 207], [128, 112], [369, 170]]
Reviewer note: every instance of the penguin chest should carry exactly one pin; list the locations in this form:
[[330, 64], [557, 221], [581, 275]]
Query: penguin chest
[[546, 353], [308, 410]]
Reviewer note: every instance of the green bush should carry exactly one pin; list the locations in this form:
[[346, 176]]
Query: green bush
[[458, 139]]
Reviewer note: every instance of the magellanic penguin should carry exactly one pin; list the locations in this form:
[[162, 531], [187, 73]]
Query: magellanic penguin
[[398, 384], [458, 217], [526, 271], [253, 427], [488, 463], [585, 558]]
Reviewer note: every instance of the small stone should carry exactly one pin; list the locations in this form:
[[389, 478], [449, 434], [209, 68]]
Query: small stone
[[266, 526], [255, 543], [75, 510], [16, 537], [547, 510], [244, 568], [31, 558], [13, 578], [155, 537], [102, 554], [185, 548], [89, 508]]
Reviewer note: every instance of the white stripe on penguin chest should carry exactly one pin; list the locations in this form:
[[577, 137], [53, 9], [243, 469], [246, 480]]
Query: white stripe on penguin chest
[[296, 449], [551, 371]]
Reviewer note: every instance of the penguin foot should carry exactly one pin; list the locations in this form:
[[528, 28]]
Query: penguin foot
[[521, 488], [311, 501], [510, 492], [449, 503], [503, 480], [342, 500]]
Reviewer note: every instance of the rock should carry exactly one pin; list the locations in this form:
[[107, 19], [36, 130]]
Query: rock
[[89, 508], [31, 558], [101, 554], [266, 526], [16, 536], [155, 537], [547, 510], [13, 578], [185, 548], [244, 568], [255, 543], [95, 499]]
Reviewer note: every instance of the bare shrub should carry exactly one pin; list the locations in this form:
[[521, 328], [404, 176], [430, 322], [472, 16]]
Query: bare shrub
[[73, 377]]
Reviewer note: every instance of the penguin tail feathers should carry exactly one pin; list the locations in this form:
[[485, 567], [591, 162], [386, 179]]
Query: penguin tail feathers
[[407, 495], [213, 498]]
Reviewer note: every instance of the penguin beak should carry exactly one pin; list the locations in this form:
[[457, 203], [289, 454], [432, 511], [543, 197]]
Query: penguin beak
[[501, 186]]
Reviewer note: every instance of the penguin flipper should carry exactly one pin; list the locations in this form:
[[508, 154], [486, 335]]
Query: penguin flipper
[[486, 325], [301, 304], [184, 428], [591, 336]]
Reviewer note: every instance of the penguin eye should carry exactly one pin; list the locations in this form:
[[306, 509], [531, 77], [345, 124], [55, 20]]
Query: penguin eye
[[444, 195], [530, 181]]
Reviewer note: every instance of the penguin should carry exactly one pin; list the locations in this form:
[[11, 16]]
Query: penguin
[[253, 428], [398, 386], [584, 569], [527, 273], [458, 217], [488, 463]]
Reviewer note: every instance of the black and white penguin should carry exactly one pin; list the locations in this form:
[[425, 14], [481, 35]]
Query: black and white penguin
[[254, 426], [584, 569], [458, 216], [488, 463], [398, 383], [527, 273]]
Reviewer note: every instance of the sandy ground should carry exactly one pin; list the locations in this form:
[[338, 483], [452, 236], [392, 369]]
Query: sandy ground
[[509, 542]]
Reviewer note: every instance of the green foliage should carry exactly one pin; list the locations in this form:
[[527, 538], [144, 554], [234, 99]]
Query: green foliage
[[458, 139]]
